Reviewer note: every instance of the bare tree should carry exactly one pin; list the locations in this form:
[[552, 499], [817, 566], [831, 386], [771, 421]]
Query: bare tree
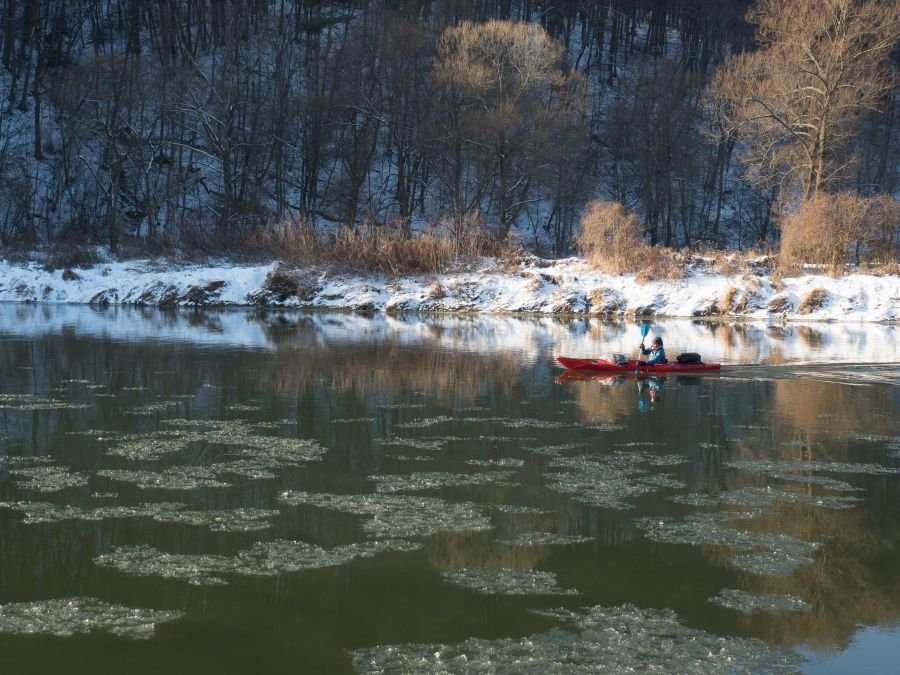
[[515, 88], [796, 100]]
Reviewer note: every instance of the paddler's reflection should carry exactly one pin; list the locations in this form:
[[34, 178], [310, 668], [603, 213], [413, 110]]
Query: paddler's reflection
[[652, 388]]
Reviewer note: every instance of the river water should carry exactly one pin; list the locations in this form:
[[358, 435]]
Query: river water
[[271, 492]]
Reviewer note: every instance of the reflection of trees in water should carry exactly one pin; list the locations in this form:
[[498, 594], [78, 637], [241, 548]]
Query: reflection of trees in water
[[852, 580], [810, 410], [312, 379]]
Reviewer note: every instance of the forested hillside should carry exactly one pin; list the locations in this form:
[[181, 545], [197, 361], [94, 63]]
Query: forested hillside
[[198, 124]]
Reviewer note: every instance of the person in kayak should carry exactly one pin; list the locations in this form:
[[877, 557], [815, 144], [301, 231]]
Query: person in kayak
[[656, 353]]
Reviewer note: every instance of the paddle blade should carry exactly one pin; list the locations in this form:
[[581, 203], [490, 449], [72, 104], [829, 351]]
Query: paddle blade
[[644, 330]]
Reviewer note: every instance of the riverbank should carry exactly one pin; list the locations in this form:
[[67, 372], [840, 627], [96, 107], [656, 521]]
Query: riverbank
[[529, 285]]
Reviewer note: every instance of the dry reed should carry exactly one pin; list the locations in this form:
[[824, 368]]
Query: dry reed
[[839, 230], [389, 249]]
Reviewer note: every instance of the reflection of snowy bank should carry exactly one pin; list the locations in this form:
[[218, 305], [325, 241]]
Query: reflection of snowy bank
[[534, 286], [530, 339]]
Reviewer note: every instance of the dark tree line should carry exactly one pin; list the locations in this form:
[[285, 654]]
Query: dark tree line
[[195, 123]]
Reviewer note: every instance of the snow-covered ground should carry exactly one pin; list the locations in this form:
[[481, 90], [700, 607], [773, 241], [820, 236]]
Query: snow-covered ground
[[536, 286]]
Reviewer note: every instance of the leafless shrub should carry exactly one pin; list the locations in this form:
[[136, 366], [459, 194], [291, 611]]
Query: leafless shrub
[[281, 284], [610, 238], [605, 301], [727, 301], [658, 262], [836, 230], [812, 301], [779, 304], [67, 257]]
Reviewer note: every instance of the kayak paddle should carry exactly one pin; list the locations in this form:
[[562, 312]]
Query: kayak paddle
[[644, 330]]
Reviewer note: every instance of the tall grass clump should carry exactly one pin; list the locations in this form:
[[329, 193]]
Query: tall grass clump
[[389, 249], [837, 231], [611, 239]]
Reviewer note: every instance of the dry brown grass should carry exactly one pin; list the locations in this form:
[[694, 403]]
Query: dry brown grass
[[611, 240], [658, 262], [779, 304], [727, 301], [387, 249], [610, 237], [812, 301], [840, 230]]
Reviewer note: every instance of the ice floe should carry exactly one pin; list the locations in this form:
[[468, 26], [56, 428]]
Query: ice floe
[[506, 581], [398, 516], [67, 616], [268, 558], [769, 603], [595, 639]]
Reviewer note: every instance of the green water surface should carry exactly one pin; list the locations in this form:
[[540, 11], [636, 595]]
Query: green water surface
[[245, 492]]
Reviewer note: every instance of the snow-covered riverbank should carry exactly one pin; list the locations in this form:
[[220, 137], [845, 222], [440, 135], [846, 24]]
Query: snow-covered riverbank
[[533, 286]]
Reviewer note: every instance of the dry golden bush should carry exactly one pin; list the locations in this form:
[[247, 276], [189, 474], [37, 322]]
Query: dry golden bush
[[658, 262], [813, 301], [387, 249], [839, 230], [611, 240], [610, 237], [727, 301]]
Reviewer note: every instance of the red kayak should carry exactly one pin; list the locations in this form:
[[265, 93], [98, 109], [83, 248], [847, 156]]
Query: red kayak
[[631, 366]]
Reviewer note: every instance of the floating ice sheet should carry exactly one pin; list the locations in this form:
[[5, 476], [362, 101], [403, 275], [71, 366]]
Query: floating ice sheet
[[608, 480], [255, 469], [152, 408], [521, 510], [504, 462], [243, 444], [763, 497], [173, 478], [545, 539], [414, 482], [507, 581], [217, 520], [29, 402], [782, 555], [598, 639], [398, 516], [782, 562], [769, 603], [150, 446], [47, 478], [427, 444], [555, 450], [510, 422], [769, 467], [264, 559], [890, 441], [244, 407], [66, 616], [276, 451]]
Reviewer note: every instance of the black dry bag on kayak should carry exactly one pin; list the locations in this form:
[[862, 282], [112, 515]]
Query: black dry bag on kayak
[[689, 358]]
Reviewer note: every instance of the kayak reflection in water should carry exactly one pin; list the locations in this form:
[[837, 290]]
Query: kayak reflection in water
[[656, 354], [653, 388]]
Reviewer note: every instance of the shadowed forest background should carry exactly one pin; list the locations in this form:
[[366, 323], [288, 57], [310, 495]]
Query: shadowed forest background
[[214, 125]]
